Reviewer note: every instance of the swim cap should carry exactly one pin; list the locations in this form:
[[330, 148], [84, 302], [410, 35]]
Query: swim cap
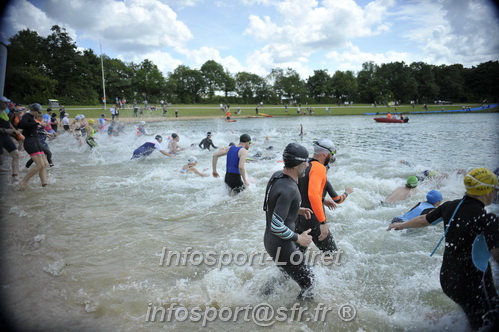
[[208, 133], [294, 154], [232, 144], [36, 107], [82, 116], [430, 173], [174, 135], [480, 181], [324, 144], [433, 196], [78, 117], [91, 121], [157, 137], [412, 182], [103, 115], [66, 114], [142, 123], [245, 138], [192, 160]]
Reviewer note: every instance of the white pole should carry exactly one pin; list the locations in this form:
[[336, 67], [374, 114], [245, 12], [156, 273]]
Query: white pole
[[103, 80], [3, 66]]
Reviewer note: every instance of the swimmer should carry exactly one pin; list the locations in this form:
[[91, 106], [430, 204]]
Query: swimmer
[[32, 145], [147, 148], [235, 176], [173, 147], [141, 130], [313, 189], [191, 167], [102, 122], [282, 206], [471, 238], [402, 193], [433, 199], [206, 143], [90, 139]]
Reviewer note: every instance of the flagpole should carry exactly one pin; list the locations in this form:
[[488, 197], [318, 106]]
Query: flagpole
[[103, 80]]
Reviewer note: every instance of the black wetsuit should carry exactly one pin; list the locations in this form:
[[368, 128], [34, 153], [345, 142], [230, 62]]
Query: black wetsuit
[[459, 277], [30, 131], [282, 203], [42, 137], [328, 244], [5, 141], [206, 143]]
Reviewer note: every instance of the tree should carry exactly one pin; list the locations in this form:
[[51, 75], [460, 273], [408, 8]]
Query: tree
[[397, 77], [450, 79], [214, 76], [250, 87], [368, 83], [319, 86], [148, 80], [427, 88], [188, 84], [344, 85]]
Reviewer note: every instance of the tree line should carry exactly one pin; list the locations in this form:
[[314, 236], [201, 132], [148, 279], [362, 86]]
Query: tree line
[[40, 68]]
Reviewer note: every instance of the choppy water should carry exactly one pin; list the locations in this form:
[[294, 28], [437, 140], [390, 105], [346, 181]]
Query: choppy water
[[84, 253]]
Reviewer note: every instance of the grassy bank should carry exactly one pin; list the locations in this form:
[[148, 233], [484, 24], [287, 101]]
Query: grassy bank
[[197, 111]]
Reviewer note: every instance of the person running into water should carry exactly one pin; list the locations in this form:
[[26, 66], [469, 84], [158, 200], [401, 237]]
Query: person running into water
[[206, 143], [90, 139], [173, 146], [433, 199], [148, 147], [102, 123], [7, 129], [471, 238], [141, 130], [235, 176], [282, 206], [190, 167], [403, 193], [313, 189], [32, 145]]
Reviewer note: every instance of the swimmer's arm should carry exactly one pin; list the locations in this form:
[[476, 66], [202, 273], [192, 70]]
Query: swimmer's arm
[[280, 214], [196, 171], [417, 222], [166, 153], [221, 152], [243, 154]]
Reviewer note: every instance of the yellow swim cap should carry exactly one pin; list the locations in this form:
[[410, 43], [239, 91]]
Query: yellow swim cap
[[91, 121], [480, 181]]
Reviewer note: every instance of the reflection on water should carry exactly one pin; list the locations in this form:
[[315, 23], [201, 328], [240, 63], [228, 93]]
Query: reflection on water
[[84, 253]]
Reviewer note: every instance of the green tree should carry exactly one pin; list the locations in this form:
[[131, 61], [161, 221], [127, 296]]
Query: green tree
[[427, 88], [450, 80], [344, 85], [397, 77], [188, 84], [251, 88], [214, 76], [482, 82], [148, 81], [319, 86]]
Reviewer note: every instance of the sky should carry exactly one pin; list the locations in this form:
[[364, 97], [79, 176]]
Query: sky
[[259, 35]]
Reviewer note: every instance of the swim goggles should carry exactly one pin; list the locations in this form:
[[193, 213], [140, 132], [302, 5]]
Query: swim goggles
[[331, 151], [480, 183]]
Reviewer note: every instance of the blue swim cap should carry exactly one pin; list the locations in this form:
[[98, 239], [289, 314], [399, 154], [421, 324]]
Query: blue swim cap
[[433, 196]]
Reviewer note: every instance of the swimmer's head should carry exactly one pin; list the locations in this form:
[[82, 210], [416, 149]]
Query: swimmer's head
[[78, 117], [325, 145], [91, 121], [480, 181], [232, 144], [412, 182], [35, 107], [142, 123], [103, 115], [294, 154], [430, 173], [66, 114], [174, 135], [208, 133], [245, 138], [434, 196], [157, 137], [192, 160]]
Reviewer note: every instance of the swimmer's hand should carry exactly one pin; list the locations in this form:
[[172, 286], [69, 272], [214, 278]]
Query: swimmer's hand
[[329, 203], [396, 226], [324, 231], [306, 212], [215, 174], [349, 190], [304, 239]]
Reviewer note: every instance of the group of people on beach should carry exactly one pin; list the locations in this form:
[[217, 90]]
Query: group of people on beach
[[295, 201]]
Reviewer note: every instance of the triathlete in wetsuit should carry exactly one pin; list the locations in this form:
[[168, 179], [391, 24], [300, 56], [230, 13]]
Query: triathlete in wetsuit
[[282, 205], [206, 143], [32, 145], [6, 129], [313, 189], [433, 200], [465, 275], [148, 147]]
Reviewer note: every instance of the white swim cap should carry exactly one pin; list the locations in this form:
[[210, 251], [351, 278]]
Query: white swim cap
[[192, 160]]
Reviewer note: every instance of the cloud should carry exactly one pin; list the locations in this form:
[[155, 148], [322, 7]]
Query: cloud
[[199, 56]]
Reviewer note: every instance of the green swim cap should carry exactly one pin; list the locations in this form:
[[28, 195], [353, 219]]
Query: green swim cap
[[412, 181]]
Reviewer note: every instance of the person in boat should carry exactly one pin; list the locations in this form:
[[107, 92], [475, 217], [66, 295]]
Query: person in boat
[[404, 192], [433, 200], [389, 115], [471, 244], [401, 116]]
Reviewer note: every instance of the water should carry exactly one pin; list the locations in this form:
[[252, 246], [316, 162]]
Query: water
[[84, 253]]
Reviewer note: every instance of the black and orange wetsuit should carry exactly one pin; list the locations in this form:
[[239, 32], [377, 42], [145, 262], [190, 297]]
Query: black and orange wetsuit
[[313, 189]]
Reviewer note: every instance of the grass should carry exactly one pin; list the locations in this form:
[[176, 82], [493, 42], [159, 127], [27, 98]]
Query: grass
[[201, 110]]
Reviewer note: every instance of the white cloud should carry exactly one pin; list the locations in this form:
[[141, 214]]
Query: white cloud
[[353, 58], [199, 56], [165, 61]]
